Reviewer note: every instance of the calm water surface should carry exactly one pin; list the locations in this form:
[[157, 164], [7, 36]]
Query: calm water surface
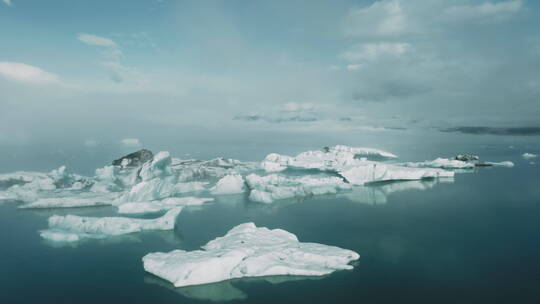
[[475, 239]]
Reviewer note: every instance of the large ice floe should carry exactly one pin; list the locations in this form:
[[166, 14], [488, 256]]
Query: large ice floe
[[328, 158], [72, 228], [266, 189], [248, 251]]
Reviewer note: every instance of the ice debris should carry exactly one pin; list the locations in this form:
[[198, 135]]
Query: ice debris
[[248, 251], [71, 228]]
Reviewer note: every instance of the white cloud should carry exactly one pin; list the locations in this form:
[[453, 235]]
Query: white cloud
[[96, 40], [8, 2], [354, 67], [374, 51], [26, 73], [485, 10], [382, 18], [131, 142], [298, 107]]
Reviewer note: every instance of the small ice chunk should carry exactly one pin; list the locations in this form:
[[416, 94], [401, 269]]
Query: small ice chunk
[[529, 155], [248, 251], [165, 204], [229, 184], [368, 172], [73, 227]]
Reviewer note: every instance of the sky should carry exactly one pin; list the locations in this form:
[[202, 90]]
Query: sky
[[132, 71]]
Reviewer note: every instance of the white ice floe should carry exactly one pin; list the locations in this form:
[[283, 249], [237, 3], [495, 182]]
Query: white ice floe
[[248, 251], [229, 184], [77, 200], [367, 172], [529, 155], [443, 163], [165, 204], [327, 159], [266, 189], [507, 164], [73, 228]]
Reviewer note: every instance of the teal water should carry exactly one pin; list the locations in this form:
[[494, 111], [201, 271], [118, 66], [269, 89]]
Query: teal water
[[473, 240]]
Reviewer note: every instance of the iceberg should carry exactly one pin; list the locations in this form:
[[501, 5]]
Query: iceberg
[[72, 228], [248, 251], [443, 163], [368, 172], [193, 170], [475, 160], [29, 186], [165, 204], [158, 181], [229, 184], [266, 189], [79, 200], [327, 159]]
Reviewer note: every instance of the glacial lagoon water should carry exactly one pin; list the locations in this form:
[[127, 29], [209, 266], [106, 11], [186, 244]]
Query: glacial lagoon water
[[474, 239]]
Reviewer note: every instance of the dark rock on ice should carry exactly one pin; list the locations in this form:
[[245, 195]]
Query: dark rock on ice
[[134, 159]]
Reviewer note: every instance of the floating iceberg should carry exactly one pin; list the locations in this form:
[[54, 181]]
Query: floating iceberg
[[165, 204], [327, 159], [367, 172], [248, 251], [475, 160], [529, 155], [29, 186], [71, 228], [443, 163], [229, 184], [266, 189], [79, 200]]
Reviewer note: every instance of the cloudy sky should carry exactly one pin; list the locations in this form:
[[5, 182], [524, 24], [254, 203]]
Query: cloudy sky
[[100, 70]]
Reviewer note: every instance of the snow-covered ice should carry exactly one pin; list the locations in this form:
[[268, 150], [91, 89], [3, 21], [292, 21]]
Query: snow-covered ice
[[248, 251], [229, 184], [266, 189], [165, 204], [73, 228]]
